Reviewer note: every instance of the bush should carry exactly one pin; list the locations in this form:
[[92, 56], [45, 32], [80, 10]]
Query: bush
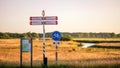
[[66, 38]]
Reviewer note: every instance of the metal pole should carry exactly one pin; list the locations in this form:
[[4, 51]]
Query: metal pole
[[44, 50], [56, 53], [43, 14]]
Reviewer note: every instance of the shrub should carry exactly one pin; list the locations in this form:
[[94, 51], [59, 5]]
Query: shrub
[[66, 38]]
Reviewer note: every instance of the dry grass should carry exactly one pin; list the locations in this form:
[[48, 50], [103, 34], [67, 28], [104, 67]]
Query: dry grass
[[68, 53], [109, 44], [98, 39]]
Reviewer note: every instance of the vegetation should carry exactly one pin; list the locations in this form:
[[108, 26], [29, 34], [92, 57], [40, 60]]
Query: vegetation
[[8, 35], [69, 55], [66, 38], [97, 40], [63, 66], [93, 35]]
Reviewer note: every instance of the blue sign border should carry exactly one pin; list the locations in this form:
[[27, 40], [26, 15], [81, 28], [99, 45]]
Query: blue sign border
[[56, 35]]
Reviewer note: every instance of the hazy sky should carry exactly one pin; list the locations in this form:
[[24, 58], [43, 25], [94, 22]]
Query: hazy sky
[[73, 15]]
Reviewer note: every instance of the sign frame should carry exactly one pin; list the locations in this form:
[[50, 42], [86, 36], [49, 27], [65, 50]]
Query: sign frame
[[26, 45]]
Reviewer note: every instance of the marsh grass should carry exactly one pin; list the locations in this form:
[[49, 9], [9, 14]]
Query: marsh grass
[[11, 65], [97, 40], [69, 55]]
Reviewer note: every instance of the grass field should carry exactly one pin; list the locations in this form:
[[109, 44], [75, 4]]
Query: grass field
[[69, 55], [97, 40]]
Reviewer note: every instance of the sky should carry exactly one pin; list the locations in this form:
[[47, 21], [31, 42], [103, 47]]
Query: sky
[[73, 15]]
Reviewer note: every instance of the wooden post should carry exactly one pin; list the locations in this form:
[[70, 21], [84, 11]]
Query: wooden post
[[56, 53], [31, 52], [21, 53]]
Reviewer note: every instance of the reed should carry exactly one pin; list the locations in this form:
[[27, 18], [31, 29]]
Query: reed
[[69, 55]]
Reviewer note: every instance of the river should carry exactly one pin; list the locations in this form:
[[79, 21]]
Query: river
[[86, 45]]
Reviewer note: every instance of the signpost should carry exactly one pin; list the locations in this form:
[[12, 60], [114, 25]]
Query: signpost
[[26, 46], [56, 36], [43, 20]]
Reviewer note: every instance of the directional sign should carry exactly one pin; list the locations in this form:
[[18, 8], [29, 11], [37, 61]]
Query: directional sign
[[36, 22], [56, 35], [45, 18]]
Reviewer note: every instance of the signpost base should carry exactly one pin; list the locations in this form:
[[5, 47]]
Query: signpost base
[[45, 62]]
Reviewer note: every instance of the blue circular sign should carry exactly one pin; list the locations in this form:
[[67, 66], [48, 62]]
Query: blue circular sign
[[56, 35]]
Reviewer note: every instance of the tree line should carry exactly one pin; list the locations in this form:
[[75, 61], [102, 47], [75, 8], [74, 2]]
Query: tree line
[[7, 35]]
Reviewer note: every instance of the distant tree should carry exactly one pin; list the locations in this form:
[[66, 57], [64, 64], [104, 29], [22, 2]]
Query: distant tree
[[113, 35], [25, 35], [65, 35], [29, 34], [34, 35], [66, 38], [5, 36], [48, 35], [118, 35]]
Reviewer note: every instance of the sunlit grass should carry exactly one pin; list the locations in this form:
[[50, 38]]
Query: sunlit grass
[[97, 40], [61, 66], [69, 55], [101, 39]]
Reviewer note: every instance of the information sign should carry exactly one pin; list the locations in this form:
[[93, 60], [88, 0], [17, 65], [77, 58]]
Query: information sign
[[26, 46]]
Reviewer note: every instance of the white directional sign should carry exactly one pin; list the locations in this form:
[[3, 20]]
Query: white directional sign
[[47, 20], [44, 18], [38, 22]]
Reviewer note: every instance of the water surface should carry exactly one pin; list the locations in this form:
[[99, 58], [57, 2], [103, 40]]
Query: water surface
[[86, 45]]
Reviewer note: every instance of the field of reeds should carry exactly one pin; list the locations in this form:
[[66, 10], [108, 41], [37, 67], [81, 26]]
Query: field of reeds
[[69, 55], [97, 40]]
